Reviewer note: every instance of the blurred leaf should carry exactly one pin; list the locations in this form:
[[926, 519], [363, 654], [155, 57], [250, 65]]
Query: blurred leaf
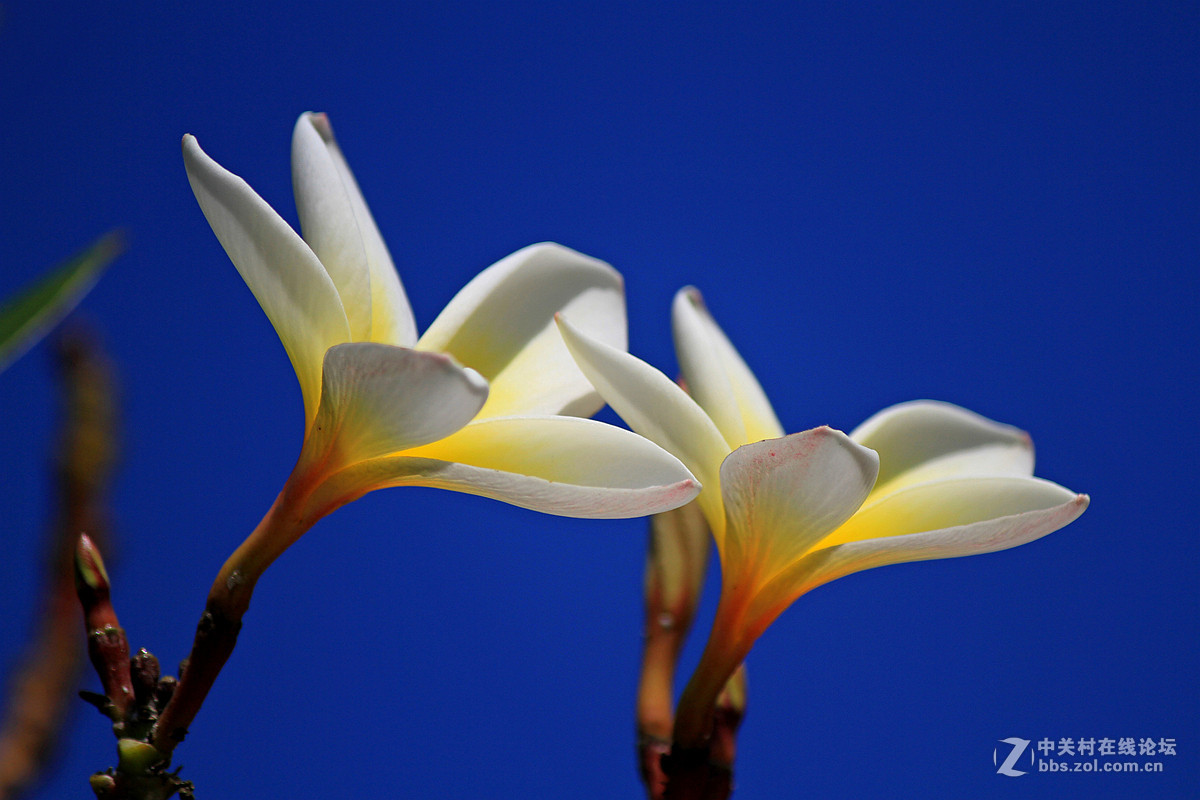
[[30, 316]]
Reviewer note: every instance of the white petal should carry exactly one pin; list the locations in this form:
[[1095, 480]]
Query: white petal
[[784, 495], [716, 375], [558, 465], [654, 406], [909, 435], [501, 324], [1015, 459], [1009, 512], [328, 223], [948, 503], [380, 399], [285, 276], [391, 315]]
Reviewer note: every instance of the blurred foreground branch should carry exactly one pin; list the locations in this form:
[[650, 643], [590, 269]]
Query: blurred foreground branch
[[43, 687]]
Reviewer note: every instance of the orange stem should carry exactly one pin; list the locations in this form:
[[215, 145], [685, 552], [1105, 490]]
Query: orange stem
[[228, 601]]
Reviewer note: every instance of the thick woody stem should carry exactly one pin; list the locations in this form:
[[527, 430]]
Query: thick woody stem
[[706, 772], [664, 640], [722, 752], [216, 636]]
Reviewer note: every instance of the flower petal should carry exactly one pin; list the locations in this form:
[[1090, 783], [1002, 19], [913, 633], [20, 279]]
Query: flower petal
[[558, 465], [392, 319], [784, 495], [379, 399], [925, 439], [329, 226], [960, 518], [654, 406], [501, 324], [949, 503], [716, 375], [986, 461], [284, 274]]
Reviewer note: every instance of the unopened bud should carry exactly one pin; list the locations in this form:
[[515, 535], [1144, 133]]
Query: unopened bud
[[676, 563], [733, 696], [144, 672], [164, 690], [91, 578], [136, 758], [103, 784]]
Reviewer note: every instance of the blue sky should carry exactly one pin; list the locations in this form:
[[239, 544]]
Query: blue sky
[[994, 206]]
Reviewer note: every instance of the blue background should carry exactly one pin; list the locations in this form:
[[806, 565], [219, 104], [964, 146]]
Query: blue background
[[881, 202]]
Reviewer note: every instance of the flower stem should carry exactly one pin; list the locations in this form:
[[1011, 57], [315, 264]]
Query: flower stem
[[663, 642], [676, 561], [705, 772], [731, 707], [700, 764], [228, 601], [727, 647]]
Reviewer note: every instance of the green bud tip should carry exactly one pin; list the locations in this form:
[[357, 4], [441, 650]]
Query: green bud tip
[[136, 758], [89, 566], [102, 784]]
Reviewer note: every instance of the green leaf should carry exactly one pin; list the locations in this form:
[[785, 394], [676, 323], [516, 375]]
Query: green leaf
[[31, 314]]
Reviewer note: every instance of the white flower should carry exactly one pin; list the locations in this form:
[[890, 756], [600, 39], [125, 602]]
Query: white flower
[[384, 408], [917, 481]]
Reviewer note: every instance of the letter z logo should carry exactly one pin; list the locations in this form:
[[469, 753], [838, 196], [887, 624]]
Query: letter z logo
[[1018, 749]]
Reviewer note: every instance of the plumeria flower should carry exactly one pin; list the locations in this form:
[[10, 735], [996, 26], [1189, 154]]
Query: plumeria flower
[[917, 481], [488, 401]]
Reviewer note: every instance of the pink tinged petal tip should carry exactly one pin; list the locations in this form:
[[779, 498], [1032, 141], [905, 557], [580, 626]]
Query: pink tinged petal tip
[[783, 495], [972, 538]]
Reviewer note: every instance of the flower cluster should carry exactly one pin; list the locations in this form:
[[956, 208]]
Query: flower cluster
[[493, 400]]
